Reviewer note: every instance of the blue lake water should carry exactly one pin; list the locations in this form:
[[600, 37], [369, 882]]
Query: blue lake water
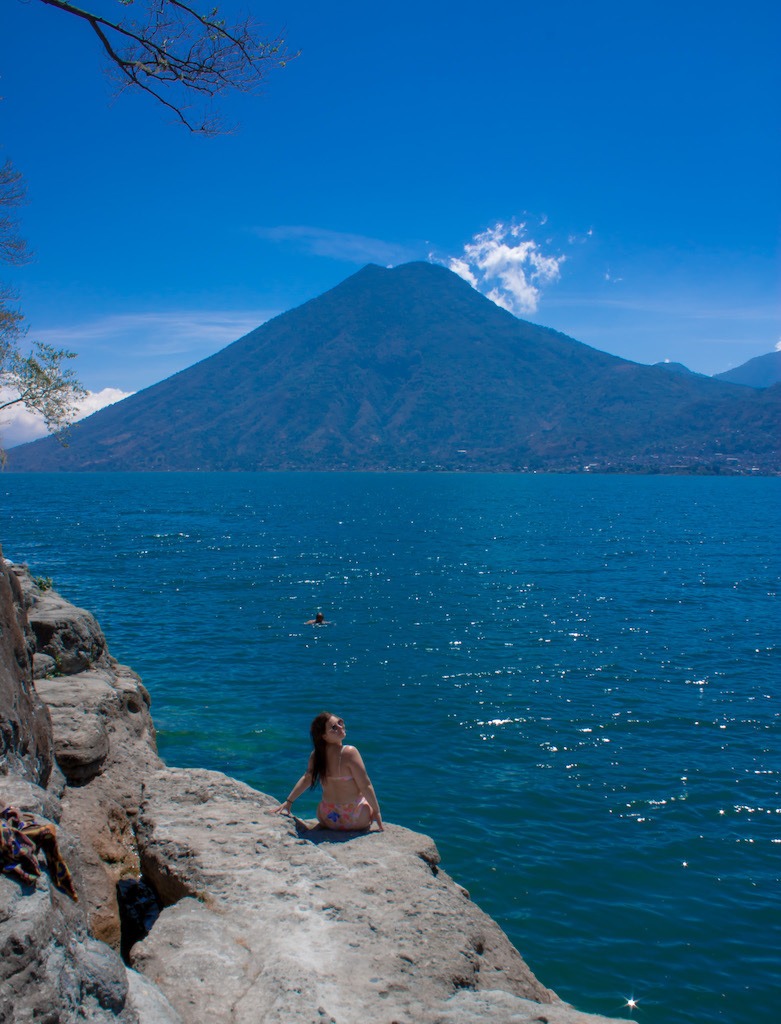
[[571, 683]]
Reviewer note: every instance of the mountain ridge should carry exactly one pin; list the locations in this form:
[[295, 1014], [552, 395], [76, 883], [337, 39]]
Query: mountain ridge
[[760, 372]]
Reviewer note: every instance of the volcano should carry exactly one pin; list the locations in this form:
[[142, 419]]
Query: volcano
[[410, 368]]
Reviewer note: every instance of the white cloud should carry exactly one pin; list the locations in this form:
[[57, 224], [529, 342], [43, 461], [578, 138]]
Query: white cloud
[[95, 400], [508, 267], [778, 345], [461, 267], [341, 245], [18, 425]]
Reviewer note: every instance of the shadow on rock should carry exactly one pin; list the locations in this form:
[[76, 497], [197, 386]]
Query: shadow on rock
[[317, 834]]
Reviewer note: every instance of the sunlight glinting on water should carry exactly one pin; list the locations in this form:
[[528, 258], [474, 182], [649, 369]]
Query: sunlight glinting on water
[[570, 683]]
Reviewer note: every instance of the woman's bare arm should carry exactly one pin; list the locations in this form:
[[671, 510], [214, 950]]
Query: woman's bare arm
[[305, 782], [361, 778]]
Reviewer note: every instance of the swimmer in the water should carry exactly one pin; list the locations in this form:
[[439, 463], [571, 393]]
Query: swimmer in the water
[[318, 620]]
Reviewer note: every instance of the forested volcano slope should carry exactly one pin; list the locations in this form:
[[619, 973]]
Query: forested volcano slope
[[411, 368]]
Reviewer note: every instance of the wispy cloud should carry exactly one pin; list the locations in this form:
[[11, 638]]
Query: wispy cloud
[[508, 267], [341, 245], [18, 425], [682, 306], [166, 333], [134, 350]]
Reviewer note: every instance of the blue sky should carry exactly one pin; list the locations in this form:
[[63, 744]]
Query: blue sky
[[628, 153]]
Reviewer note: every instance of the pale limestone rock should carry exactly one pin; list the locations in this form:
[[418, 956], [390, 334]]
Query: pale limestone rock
[[104, 743], [18, 792], [80, 706], [277, 921], [43, 665], [51, 969], [69, 635], [149, 1002], [468, 1007]]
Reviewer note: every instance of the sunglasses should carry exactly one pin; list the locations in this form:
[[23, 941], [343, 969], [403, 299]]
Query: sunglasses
[[339, 725]]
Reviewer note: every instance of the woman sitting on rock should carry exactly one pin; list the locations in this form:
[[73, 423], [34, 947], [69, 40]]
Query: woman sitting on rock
[[349, 802]]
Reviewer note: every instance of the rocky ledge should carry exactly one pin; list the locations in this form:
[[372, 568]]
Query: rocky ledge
[[264, 919]]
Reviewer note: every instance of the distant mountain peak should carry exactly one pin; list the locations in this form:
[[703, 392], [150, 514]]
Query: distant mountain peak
[[759, 372], [673, 367]]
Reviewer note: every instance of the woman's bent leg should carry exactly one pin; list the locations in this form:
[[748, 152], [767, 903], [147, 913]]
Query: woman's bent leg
[[355, 817]]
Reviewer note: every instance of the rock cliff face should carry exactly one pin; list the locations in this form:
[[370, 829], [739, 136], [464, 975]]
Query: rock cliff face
[[53, 967], [25, 730], [266, 920]]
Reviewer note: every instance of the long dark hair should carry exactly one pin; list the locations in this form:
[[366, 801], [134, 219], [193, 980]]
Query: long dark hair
[[317, 732]]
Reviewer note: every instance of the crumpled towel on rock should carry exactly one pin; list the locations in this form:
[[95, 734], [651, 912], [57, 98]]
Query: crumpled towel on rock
[[21, 837]]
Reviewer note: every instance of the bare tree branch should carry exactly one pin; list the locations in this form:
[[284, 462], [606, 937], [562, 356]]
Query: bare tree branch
[[170, 52], [175, 50]]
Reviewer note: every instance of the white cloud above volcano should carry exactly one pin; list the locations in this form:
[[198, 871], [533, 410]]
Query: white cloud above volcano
[[508, 267]]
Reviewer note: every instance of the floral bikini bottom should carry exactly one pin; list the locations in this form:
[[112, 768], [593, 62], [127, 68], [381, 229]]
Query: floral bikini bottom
[[348, 817]]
